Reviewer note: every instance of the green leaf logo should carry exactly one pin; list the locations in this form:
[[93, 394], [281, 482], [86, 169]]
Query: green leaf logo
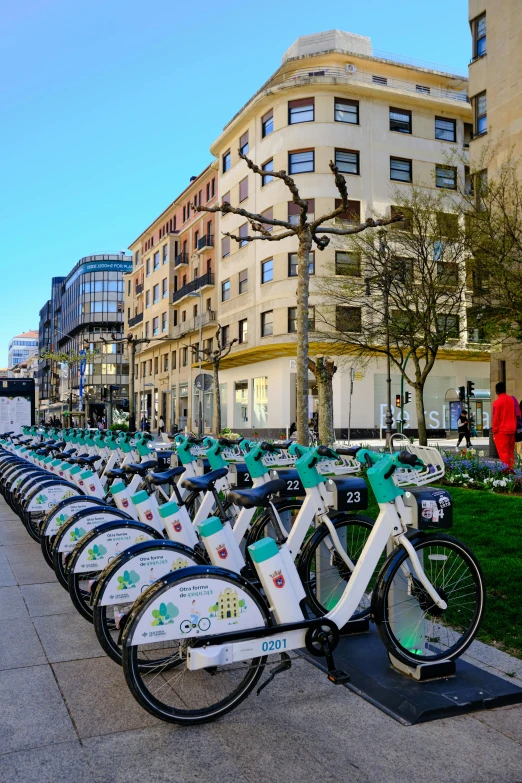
[[165, 614]]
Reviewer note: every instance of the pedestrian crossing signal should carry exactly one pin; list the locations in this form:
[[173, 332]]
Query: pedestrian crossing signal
[[398, 403]]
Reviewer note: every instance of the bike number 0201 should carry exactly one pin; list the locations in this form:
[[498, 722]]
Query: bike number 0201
[[273, 645]]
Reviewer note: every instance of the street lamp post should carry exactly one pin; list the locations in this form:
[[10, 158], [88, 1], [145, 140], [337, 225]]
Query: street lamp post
[[200, 396]]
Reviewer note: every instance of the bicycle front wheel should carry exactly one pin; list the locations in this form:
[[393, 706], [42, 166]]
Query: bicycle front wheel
[[411, 625]]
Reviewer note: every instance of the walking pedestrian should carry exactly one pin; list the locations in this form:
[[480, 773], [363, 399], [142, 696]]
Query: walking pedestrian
[[506, 412], [463, 428], [518, 445], [161, 425]]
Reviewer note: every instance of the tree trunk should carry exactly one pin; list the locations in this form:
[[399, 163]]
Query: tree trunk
[[303, 284], [324, 375], [421, 420], [217, 398]]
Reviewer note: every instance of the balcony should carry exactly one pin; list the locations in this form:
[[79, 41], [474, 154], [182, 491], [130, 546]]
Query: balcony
[[139, 289], [193, 324], [205, 243], [336, 75], [135, 320], [195, 285], [181, 259]]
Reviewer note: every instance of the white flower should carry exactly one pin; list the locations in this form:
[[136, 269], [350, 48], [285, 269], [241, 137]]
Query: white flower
[[481, 453], [472, 481], [452, 479]]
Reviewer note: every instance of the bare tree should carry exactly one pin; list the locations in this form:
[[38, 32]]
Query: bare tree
[[324, 370], [214, 356], [400, 294], [307, 233]]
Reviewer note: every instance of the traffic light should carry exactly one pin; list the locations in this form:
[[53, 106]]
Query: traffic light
[[398, 403], [462, 393], [407, 397], [470, 389]]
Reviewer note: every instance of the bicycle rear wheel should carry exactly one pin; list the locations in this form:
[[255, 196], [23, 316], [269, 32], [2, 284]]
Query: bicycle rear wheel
[[411, 626], [167, 688]]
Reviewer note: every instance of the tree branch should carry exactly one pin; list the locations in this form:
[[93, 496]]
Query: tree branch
[[289, 182], [226, 209], [267, 238]]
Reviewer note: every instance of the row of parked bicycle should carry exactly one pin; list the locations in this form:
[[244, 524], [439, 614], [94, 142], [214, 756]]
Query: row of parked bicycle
[[203, 564]]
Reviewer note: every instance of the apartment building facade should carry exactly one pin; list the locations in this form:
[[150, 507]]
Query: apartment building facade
[[21, 347], [84, 312], [496, 95], [386, 124], [169, 299]]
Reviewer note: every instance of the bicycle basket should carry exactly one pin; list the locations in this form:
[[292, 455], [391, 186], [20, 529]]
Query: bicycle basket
[[432, 471], [339, 467]]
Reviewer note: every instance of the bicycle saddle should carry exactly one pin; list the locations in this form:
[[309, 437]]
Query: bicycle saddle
[[260, 496], [140, 468], [166, 476], [115, 473], [206, 482], [87, 460]]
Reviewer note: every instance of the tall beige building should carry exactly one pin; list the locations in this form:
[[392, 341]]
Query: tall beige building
[[495, 88], [387, 124]]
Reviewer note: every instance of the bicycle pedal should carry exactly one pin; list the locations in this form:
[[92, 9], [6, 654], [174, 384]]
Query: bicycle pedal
[[338, 677]]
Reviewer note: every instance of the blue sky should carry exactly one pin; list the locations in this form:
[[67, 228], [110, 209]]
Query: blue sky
[[109, 106]]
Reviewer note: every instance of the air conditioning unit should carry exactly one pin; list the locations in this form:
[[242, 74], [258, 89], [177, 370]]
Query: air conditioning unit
[[351, 68]]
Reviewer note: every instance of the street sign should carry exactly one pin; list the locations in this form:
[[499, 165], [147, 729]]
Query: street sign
[[203, 382]]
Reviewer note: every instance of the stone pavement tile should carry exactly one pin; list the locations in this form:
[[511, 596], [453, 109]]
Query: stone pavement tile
[[482, 655], [61, 763], [3, 558], [32, 710], [507, 720], [11, 603], [98, 698], [67, 637], [14, 535], [166, 754], [32, 572], [20, 553], [473, 753], [19, 644], [7, 578], [46, 599]]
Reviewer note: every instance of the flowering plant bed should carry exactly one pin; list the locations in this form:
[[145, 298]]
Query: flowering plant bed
[[471, 469]]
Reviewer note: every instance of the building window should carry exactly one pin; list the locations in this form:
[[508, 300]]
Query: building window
[[267, 271], [184, 356], [301, 111], [400, 169], [147, 267], [243, 331], [449, 326], [267, 323], [165, 362], [164, 288], [446, 177], [243, 189], [294, 211], [225, 247], [243, 232], [268, 213], [164, 322], [147, 299], [347, 161], [301, 162], [352, 214], [481, 114], [346, 111], [243, 281], [155, 294], [208, 191], [348, 319], [347, 263], [156, 261], [400, 120], [266, 178], [137, 258], [227, 161], [155, 325], [165, 253], [267, 123], [173, 360], [147, 329], [448, 274], [445, 130], [293, 264], [225, 331], [292, 319], [479, 36], [213, 187], [225, 290], [243, 143]]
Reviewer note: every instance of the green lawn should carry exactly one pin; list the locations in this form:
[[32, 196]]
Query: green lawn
[[491, 525]]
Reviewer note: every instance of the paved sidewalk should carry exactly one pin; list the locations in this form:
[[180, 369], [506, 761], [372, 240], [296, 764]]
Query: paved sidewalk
[[66, 715]]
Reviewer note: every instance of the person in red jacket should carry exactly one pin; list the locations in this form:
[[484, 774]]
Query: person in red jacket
[[505, 413]]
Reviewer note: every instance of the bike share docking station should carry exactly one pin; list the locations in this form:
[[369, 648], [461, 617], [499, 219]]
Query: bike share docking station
[[409, 693]]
